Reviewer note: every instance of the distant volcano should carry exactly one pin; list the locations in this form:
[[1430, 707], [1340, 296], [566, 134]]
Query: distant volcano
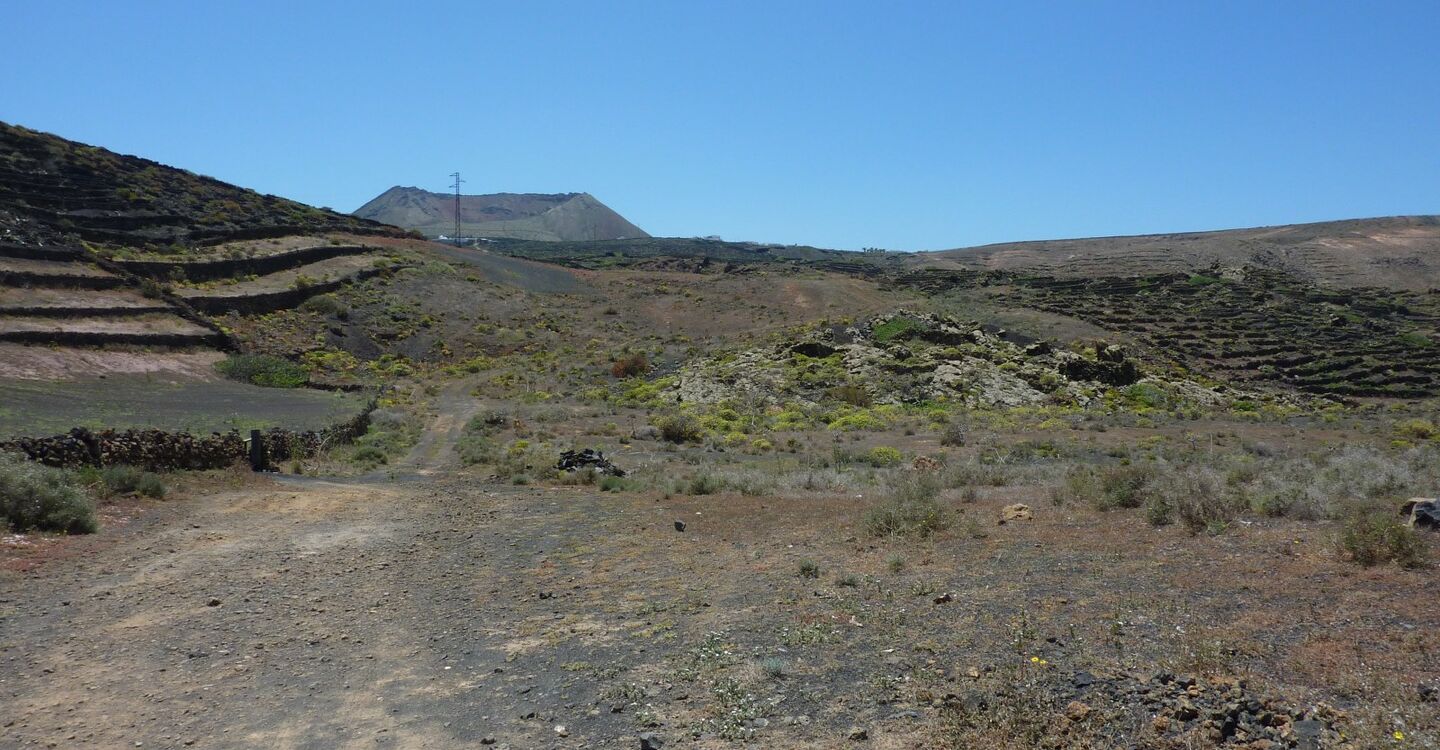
[[526, 216]]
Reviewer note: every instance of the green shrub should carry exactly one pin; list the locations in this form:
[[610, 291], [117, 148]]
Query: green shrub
[[613, 484], [883, 455], [1372, 535], [369, 456], [896, 328], [124, 480], [325, 304], [953, 436], [703, 484], [263, 370], [1417, 429], [37, 497], [679, 428], [809, 569]]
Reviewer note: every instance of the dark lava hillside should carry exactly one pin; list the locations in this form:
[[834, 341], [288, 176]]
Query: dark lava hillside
[[51, 188]]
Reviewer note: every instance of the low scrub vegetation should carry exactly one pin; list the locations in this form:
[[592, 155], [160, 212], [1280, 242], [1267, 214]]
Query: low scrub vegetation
[[630, 366], [34, 497], [679, 428], [912, 509], [391, 433], [263, 370], [1373, 535]]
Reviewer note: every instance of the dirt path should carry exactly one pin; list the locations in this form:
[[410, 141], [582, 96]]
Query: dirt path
[[442, 612], [330, 615], [433, 451]]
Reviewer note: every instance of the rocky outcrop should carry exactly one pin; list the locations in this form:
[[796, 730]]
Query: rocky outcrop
[[910, 357]]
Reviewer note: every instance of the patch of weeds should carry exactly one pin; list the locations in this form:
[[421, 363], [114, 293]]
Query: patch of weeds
[[807, 635], [809, 569], [624, 695], [733, 708], [895, 563], [773, 668], [911, 510], [1123, 487], [1198, 496], [613, 484], [848, 580]]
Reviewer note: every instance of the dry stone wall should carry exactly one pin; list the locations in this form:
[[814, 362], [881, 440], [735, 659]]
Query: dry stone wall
[[161, 450]]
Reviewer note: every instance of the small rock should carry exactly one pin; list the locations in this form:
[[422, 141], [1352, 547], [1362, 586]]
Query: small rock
[[651, 741], [561, 731], [1016, 512], [213, 603], [858, 734], [487, 740], [679, 525], [1077, 711], [944, 598]]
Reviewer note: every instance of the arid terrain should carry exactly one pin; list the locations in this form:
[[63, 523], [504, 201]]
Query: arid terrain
[[1085, 494]]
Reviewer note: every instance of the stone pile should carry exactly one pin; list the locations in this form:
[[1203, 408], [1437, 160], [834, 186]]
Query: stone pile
[[588, 458]]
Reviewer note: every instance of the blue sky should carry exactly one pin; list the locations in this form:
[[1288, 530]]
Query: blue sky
[[907, 125]]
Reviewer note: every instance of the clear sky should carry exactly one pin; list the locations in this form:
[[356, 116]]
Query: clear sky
[[903, 125]]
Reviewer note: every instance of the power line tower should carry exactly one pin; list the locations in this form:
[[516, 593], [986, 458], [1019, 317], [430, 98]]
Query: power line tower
[[456, 175]]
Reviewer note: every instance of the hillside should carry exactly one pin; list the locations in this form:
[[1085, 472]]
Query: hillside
[[1401, 252], [52, 189], [524, 216], [1016, 497]]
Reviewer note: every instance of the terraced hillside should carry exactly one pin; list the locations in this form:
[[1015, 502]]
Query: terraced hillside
[[1243, 326], [72, 298], [113, 270]]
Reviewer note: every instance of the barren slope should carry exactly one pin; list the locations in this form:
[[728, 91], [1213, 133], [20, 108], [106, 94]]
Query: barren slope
[[1401, 252]]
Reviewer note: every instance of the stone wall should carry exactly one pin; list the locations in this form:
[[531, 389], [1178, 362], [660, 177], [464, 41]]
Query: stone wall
[[227, 268], [160, 450]]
